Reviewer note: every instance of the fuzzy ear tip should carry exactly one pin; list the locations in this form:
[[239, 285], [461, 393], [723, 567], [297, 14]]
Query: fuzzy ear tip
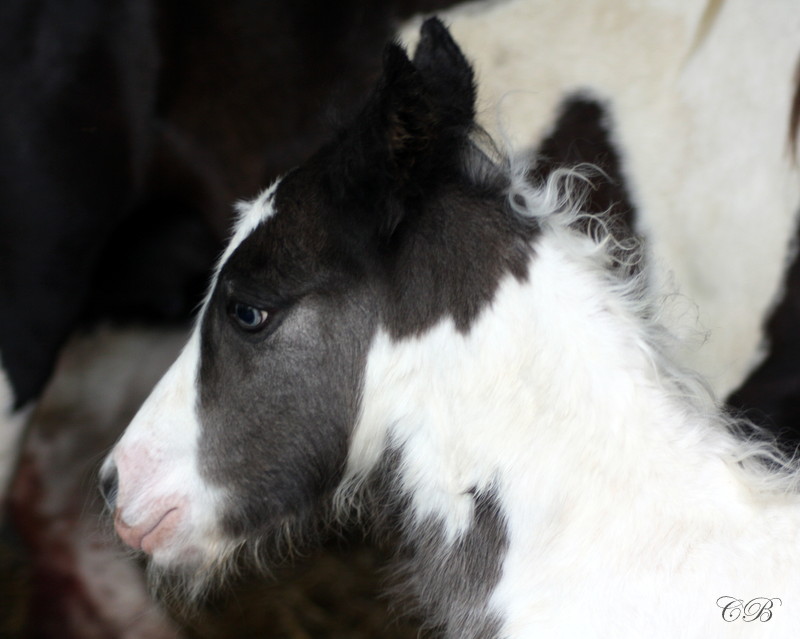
[[394, 54], [433, 34], [397, 66], [433, 26], [437, 48]]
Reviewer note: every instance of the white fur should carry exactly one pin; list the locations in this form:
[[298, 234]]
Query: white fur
[[12, 426], [627, 511], [250, 215], [700, 94]]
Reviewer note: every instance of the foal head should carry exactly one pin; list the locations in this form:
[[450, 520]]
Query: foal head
[[399, 223]]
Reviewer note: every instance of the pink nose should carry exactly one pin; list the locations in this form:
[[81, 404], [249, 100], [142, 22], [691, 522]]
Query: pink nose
[[149, 535]]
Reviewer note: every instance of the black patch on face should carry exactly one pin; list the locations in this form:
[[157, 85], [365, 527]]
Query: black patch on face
[[277, 405], [448, 585], [582, 135], [386, 226]]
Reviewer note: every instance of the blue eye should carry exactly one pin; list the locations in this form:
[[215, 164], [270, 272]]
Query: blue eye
[[248, 318]]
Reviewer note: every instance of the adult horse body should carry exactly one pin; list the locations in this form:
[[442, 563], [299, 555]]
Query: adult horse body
[[404, 327], [701, 102]]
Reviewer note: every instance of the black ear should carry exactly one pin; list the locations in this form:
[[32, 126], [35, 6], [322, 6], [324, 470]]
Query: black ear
[[448, 75], [409, 133], [406, 117]]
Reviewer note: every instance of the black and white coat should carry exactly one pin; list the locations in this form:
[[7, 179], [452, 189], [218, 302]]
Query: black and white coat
[[405, 328]]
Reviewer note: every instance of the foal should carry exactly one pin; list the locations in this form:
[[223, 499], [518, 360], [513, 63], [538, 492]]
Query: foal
[[404, 328]]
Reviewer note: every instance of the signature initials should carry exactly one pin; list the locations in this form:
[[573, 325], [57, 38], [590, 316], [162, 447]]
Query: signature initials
[[759, 608]]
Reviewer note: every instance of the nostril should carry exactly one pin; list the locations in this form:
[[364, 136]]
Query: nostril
[[108, 485]]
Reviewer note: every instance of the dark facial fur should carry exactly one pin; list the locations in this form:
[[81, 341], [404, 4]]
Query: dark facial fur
[[399, 223]]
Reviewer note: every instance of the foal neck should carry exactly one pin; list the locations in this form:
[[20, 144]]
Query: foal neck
[[554, 432], [559, 376]]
